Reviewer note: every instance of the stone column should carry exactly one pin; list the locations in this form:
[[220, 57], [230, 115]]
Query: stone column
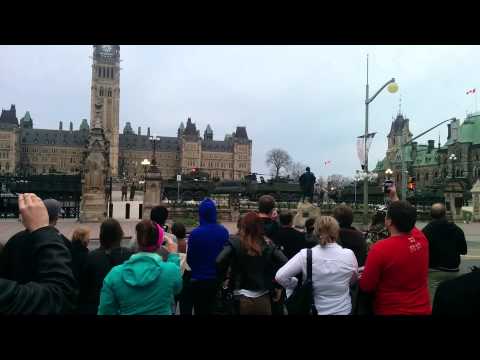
[[153, 191], [476, 201]]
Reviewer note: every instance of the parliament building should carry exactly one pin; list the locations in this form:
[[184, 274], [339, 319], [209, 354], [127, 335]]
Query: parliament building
[[26, 150], [432, 165]]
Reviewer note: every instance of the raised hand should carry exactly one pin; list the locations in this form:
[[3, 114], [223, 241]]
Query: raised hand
[[34, 213]]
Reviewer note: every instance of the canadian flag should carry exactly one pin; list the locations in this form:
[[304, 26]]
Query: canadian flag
[[327, 162], [472, 91]]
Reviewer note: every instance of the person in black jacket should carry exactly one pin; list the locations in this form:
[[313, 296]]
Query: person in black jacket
[[458, 297], [350, 238], [289, 240], [269, 218], [80, 241], [307, 184], [52, 289], [98, 265], [268, 215], [254, 263], [446, 241], [17, 262]]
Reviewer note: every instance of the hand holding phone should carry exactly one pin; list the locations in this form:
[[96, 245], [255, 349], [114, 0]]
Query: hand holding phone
[[387, 185]]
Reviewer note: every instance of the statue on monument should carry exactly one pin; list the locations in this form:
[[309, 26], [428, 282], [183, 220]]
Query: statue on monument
[[94, 172], [307, 184]]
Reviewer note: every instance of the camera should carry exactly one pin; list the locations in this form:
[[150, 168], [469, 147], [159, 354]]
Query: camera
[[387, 185]]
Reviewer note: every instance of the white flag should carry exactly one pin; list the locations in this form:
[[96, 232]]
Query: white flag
[[361, 147]]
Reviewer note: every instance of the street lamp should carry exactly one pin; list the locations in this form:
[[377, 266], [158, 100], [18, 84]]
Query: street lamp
[[453, 158], [355, 179], [388, 173], [392, 88], [145, 163], [154, 138]]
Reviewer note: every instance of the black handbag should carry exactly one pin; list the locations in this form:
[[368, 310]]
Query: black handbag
[[301, 302]]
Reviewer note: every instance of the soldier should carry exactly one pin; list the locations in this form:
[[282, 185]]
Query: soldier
[[132, 191], [124, 191], [307, 182]]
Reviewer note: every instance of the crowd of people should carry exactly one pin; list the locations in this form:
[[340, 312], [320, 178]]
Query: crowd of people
[[165, 271]]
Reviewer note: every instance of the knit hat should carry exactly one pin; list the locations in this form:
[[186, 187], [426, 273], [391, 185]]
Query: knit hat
[[54, 209]]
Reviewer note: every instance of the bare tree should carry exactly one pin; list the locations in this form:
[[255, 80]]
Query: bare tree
[[295, 170], [278, 159], [338, 181]]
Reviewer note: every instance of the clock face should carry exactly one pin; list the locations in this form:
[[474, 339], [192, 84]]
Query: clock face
[[106, 49]]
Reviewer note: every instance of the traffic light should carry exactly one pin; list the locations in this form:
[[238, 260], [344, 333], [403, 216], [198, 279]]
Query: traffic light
[[411, 183]]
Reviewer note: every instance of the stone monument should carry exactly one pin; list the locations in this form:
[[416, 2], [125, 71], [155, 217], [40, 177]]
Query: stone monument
[[153, 189], [93, 207], [305, 211], [454, 198], [476, 201]]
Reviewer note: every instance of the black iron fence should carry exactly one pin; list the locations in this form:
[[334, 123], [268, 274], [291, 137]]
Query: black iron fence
[[64, 188]]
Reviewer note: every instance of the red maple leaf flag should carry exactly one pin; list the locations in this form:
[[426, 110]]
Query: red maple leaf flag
[[471, 91], [327, 162]]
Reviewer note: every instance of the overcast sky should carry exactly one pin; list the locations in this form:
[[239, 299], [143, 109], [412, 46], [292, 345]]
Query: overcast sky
[[308, 100]]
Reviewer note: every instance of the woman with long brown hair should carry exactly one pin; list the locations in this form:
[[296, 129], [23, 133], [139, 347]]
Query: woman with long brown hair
[[254, 262]]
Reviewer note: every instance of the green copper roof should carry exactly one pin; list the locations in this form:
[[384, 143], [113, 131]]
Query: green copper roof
[[380, 165], [469, 131], [424, 158], [27, 117]]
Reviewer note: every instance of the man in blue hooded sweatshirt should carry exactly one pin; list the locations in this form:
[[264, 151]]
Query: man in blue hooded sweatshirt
[[204, 244]]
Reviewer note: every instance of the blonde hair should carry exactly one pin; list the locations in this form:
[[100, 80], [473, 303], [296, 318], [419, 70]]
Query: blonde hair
[[326, 230], [81, 234]]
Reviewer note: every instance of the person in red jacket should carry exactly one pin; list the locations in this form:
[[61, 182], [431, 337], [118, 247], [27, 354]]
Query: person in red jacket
[[396, 270]]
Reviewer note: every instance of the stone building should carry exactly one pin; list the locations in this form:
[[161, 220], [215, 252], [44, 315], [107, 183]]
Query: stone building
[[430, 163], [26, 150]]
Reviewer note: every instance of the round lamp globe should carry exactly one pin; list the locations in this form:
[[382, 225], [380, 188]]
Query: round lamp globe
[[392, 88]]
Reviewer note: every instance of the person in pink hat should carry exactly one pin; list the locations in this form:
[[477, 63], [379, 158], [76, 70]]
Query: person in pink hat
[[145, 284]]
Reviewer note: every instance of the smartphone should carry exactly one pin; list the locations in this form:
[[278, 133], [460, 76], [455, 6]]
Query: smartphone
[[387, 185]]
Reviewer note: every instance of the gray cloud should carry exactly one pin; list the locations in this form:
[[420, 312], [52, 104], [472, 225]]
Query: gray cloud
[[305, 99]]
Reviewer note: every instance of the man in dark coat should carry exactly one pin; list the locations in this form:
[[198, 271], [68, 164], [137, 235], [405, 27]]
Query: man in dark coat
[[51, 288], [124, 191], [290, 240], [132, 191], [349, 237], [446, 241], [307, 183], [458, 297], [17, 260]]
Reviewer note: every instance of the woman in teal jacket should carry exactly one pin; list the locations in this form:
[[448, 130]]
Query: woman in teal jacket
[[145, 284]]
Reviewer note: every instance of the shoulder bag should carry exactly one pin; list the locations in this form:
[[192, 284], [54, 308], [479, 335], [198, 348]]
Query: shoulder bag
[[301, 302]]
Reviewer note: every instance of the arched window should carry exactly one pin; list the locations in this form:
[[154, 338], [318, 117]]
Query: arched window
[[426, 177], [103, 72], [101, 91], [110, 92], [99, 70], [112, 72]]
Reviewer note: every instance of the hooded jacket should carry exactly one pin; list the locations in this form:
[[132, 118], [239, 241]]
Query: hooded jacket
[[143, 285], [206, 242]]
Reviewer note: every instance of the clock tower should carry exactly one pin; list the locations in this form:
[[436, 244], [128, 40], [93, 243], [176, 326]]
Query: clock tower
[[105, 96]]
